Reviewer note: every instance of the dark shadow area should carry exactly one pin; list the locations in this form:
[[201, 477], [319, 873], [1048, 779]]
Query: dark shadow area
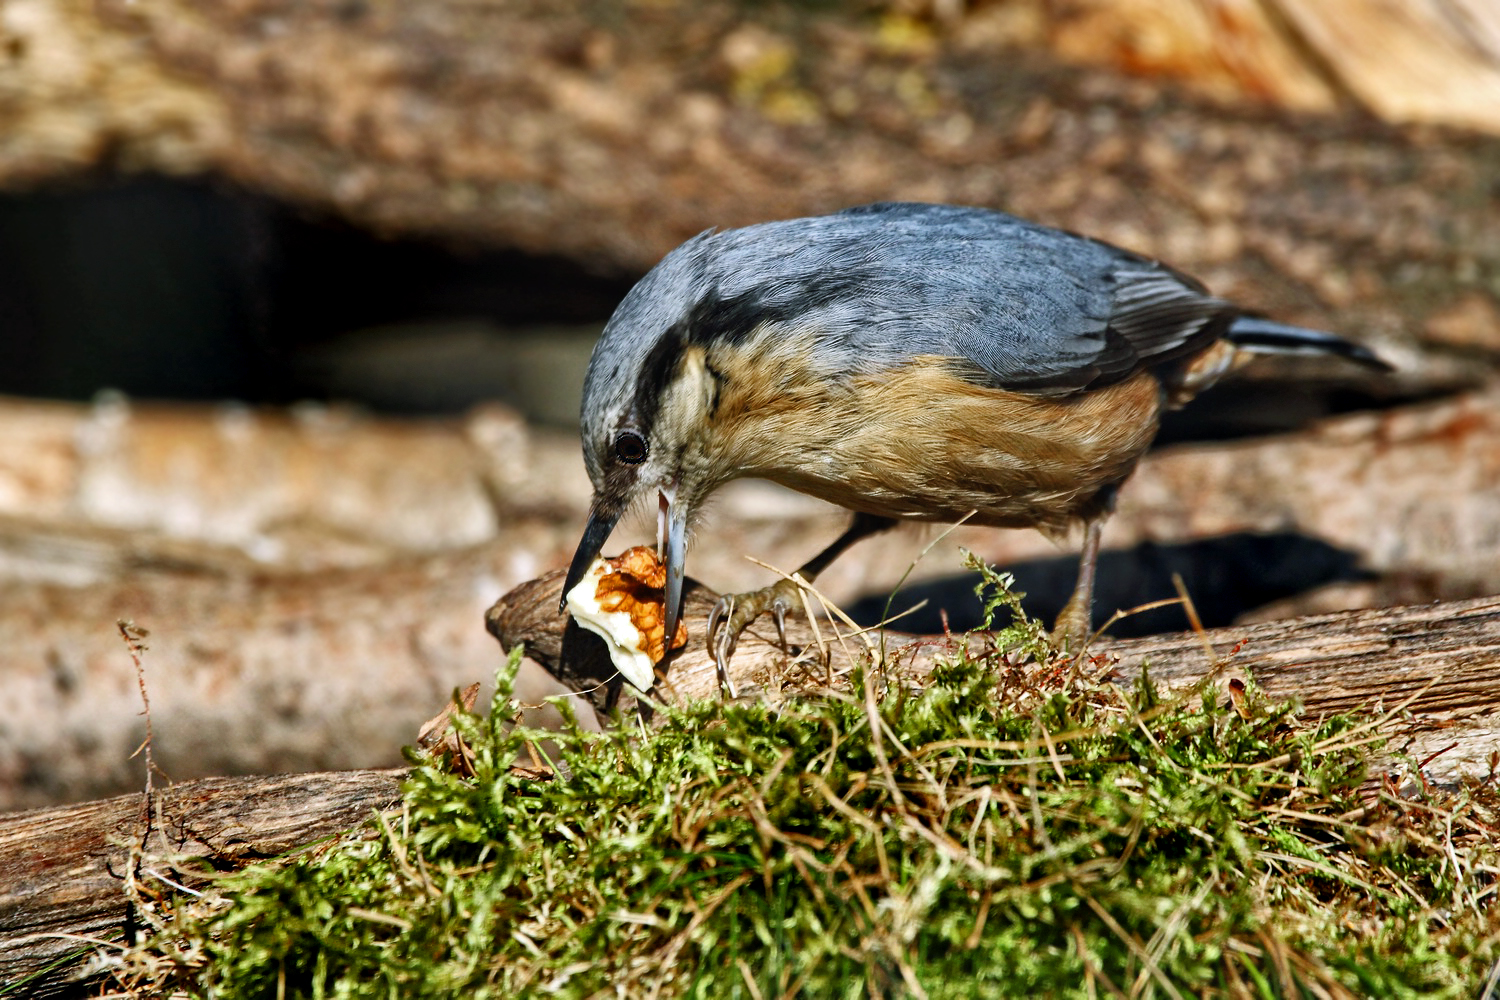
[[1236, 409], [1225, 577], [174, 290]]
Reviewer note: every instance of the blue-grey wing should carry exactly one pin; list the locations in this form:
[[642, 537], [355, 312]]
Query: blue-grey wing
[[1034, 336], [1016, 305], [1155, 316], [1048, 311]]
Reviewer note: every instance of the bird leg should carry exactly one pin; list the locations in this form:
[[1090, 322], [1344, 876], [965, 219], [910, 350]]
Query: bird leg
[[734, 612], [1076, 619]]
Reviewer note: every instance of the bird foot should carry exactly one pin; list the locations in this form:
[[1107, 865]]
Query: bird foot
[[1071, 632], [733, 614]]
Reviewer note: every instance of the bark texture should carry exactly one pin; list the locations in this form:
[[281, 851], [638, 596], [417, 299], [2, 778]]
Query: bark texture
[[67, 875], [91, 494], [246, 674], [1420, 60], [1434, 663]]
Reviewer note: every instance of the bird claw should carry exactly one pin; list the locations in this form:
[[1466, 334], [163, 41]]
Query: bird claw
[[722, 642], [733, 613]]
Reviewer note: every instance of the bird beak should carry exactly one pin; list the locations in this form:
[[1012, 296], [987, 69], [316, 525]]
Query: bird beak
[[602, 521], [671, 527]]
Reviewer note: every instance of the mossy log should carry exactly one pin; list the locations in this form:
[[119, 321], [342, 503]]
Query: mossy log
[[1434, 667], [66, 872]]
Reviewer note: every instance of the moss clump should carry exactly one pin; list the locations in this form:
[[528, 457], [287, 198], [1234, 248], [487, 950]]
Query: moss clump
[[967, 840]]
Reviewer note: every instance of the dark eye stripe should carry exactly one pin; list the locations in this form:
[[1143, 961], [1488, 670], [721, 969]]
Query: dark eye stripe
[[657, 369], [630, 448]]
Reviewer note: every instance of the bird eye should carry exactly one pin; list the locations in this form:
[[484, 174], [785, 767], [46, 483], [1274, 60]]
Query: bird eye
[[630, 448]]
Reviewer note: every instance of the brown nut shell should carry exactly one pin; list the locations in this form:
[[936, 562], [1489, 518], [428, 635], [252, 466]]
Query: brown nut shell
[[633, 585]]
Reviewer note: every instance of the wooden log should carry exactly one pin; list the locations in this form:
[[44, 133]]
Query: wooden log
[[1412, 61], [1412, 491], [95, 491], [63, 872], [349, 664], [1438, 663]]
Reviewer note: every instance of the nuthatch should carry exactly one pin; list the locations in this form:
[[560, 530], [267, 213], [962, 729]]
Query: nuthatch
[[908, 362]]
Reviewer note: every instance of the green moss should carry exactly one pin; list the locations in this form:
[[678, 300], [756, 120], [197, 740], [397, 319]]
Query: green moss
[[978, 838]]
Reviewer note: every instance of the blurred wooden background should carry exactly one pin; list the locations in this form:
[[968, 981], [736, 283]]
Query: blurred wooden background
[[398, 212]]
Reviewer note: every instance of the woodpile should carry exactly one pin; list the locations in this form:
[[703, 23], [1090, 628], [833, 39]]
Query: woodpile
[[558, 130], [315, 581], [333, 655]]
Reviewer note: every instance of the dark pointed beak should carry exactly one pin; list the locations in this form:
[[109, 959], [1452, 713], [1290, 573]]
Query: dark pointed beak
[[602, 521], [673, 529]]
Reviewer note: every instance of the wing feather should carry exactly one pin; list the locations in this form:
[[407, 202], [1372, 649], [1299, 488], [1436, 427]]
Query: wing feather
[[1016, 305]]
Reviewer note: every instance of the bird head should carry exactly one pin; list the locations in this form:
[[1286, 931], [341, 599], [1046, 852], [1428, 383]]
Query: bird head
[[776, 302], [648, 399]]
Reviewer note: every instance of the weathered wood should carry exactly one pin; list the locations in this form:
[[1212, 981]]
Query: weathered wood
[[1413, 491], [263, 674], [1439, 663], [1412, 61], [63, 871], [95, 491]]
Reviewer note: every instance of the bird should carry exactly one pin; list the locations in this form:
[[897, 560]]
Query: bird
[[908, 362]]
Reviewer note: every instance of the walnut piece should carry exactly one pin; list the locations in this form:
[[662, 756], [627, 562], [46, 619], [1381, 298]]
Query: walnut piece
[[621, 601]]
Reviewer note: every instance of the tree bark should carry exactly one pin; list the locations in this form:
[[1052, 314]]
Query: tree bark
[[1420, 60], [1436, 666], [66, 874]]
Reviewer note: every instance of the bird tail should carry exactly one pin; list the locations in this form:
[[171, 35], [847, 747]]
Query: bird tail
[[1262, 336]]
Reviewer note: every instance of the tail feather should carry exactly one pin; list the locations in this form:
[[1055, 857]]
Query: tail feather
[[1251, 333]]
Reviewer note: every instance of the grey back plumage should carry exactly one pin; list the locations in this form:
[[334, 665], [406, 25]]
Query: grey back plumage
[[1016, 305]]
